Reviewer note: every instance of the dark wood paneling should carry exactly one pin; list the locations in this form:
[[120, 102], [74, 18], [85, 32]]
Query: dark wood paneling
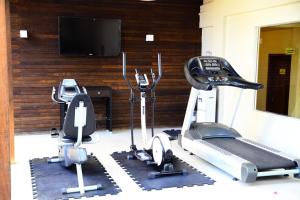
[[37, 65], [5, 134]]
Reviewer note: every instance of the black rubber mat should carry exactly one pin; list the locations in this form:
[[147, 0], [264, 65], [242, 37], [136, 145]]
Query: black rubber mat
[[48, 179], [173, 133], [139, 171], [264, 160]]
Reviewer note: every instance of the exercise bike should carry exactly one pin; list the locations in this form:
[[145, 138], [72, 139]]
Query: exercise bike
[[77, 126], [63, 96], [157, 149]]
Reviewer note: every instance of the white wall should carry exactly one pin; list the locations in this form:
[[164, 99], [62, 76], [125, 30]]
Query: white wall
[[231, 30]]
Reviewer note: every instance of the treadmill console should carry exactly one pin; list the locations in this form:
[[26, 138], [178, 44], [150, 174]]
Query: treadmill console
[[206, 72], [212, 67]]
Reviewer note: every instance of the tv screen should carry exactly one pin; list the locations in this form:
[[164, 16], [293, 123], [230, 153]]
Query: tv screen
[[89, 36]]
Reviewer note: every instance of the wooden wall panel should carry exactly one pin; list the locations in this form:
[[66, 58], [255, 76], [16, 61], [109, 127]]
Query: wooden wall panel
[[4, 104], [37, 65]]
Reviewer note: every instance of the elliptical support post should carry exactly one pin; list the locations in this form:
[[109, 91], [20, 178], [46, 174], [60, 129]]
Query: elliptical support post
[[153, 109], [143, 118], [132, 147]]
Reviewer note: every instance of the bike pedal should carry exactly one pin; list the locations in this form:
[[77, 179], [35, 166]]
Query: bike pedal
[[54, 135]]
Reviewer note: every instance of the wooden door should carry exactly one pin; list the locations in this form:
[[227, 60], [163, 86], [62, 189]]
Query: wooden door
[[278, 83]]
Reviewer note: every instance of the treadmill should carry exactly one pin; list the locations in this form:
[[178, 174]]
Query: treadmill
[[219, 144]]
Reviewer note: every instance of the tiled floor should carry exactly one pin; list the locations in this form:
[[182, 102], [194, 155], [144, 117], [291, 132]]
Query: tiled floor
[[42, 145]]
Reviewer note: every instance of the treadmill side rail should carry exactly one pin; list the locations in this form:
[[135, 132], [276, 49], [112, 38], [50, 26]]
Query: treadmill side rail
[[279, 172], [221, 158]]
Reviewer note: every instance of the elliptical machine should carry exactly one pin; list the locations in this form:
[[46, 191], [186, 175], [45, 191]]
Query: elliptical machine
[[157, 149]]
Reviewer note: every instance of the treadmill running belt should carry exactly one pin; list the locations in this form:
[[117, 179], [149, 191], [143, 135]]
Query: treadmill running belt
[[264, 160]]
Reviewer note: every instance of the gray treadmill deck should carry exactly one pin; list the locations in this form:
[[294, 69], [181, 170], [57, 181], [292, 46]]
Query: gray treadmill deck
[[264, 160]]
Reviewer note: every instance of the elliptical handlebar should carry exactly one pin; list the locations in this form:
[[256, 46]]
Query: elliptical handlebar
[[159, 71], [159, 66], [124, 70], [154, 81], [124, 65]]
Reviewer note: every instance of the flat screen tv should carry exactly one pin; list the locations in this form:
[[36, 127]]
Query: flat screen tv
[[81, 36]]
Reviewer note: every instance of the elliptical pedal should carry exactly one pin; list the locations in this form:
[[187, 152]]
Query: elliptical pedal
[[142, 155], [168, 170]]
